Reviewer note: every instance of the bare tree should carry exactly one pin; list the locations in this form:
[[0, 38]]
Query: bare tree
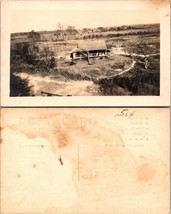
[[61, 29]]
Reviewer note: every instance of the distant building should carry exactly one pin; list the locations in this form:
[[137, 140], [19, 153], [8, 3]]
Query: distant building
[[89, 49]]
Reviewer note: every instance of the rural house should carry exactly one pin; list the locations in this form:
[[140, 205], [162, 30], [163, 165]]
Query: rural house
[[89, 49]]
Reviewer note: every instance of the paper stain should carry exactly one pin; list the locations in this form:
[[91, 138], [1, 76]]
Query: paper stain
[[93, 161], [46, 185], [0, 134], [149, 171], [158, 4], [62, 137], [145, 173]]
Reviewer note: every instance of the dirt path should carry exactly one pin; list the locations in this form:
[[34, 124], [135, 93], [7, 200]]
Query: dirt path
[[59, 87], [121, 51], [124, 71]]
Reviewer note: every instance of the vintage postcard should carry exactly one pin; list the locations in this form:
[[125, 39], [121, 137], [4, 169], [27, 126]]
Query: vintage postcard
[[85, 53], [85, 161]]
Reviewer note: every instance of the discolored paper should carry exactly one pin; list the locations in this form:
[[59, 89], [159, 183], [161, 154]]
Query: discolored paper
[[89, 161]]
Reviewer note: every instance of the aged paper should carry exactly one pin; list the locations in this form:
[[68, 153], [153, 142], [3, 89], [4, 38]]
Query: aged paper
[[89, 161], [38, 37]]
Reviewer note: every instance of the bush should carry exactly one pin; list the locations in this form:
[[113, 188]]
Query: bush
[[32, 54], [19, 87], [136, 84]]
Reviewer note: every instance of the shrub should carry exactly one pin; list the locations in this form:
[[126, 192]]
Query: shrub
[[32, 54], [19, 87]]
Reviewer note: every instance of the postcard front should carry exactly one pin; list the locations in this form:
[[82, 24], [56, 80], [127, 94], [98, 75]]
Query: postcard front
[[58, 53]]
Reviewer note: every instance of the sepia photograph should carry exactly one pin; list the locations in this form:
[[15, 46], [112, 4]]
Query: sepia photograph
[[85, 161], [75, 50], [84, 53]]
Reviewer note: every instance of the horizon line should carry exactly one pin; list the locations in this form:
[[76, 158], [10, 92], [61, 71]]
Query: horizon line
[[87, 27]]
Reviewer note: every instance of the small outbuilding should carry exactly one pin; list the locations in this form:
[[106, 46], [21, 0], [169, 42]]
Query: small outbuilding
[[89, 49]]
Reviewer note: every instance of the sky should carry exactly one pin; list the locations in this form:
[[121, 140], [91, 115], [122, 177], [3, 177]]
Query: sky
[[43, 19]]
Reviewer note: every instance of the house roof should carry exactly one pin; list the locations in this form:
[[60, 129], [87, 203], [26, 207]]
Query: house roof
[[92, 45]]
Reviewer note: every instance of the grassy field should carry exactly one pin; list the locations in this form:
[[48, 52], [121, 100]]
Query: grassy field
[[132, 66]]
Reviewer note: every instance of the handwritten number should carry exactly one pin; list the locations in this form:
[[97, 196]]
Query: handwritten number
[[125, 113]]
